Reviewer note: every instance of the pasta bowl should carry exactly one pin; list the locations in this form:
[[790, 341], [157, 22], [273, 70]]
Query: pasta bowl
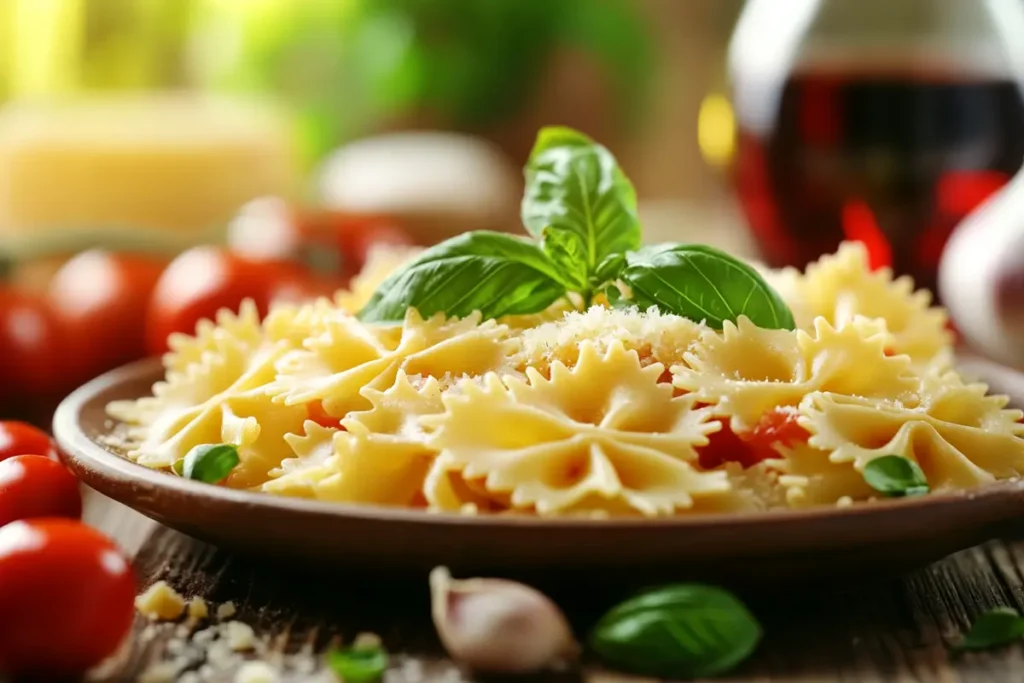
[[887, 536]]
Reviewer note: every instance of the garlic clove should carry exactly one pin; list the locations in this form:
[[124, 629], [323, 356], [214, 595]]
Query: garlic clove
[[498, 626]]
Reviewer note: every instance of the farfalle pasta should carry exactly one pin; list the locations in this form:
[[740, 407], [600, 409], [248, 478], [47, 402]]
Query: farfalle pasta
[[608, 409]]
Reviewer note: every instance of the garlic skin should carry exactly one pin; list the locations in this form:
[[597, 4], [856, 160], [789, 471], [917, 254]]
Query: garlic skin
[[498, 626]]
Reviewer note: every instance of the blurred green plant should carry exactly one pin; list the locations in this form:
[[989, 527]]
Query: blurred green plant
[[344, 65]]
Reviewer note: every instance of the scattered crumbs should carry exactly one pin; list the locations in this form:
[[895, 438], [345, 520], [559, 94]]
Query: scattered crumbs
[[256, 672], [189, 677], [226, 611], [366, 641], [205, 636], [160, 602], [240, 636], [844, 502], [161, 672], [197, 609], [182, 631]]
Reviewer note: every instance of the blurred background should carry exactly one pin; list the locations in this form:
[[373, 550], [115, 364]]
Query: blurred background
[[162, 158]]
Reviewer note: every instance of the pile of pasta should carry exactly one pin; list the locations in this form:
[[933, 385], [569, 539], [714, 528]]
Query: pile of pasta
[[597, 412]]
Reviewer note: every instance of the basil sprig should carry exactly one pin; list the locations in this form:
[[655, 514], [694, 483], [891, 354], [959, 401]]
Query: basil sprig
[[358, 665], [998, 626], [686, 630], [582, 211], [895, 476], [581, 206], [703, 283], [208, 463]]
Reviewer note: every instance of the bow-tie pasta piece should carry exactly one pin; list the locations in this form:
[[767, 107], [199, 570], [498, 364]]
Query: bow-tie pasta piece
[[747, 373], [960, 437], [295, 324], [335, 366], [655, 337], [380, 458], [604, 434], [841, 286], [241, 329], [185, 409], [312, 448]]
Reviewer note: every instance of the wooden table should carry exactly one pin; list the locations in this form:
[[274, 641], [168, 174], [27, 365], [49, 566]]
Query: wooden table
[[873, 631]]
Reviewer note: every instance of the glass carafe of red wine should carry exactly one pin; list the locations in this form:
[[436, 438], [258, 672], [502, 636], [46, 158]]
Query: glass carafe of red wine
[[884, 121]]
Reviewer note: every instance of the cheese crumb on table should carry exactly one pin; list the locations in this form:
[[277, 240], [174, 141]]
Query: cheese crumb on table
[[197, 608], [226, 610], [256, 672], [239, 636], [160, 602], [366, 641]]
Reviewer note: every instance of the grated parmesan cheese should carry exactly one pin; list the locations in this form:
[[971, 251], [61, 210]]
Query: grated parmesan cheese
[[239, 636], [256, 672], [197, 609], [160, 602], [226, 611]]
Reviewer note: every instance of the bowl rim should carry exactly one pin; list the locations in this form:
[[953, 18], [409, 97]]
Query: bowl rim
[[86, 453]]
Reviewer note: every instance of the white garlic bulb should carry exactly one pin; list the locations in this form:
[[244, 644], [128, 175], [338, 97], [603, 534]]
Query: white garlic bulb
[[498, 626]]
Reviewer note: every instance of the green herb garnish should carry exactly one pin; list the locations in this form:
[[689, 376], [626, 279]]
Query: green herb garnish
[[703, 283], [358, 665], [895, 476], [998, 626], [677, 631], [582, 211], [210, 463]]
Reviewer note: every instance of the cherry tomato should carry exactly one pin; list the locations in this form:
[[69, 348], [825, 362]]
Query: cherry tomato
[[315, 412], [100, 301], [777, 426], [35, 486], [203, 280], [32, 353], [67, 594], [21, 438]]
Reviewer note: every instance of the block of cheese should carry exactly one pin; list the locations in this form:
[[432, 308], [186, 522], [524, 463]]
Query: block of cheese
[[172, 164]]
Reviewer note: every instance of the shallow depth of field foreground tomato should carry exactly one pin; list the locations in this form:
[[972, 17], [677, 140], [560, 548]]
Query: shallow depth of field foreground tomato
[[35, 486], [32, 351], [203, 280], [100, 299], [67, 597], [21, 438]]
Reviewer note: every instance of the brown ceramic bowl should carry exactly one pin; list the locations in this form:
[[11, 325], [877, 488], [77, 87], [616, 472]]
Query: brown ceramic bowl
[[888, 536]]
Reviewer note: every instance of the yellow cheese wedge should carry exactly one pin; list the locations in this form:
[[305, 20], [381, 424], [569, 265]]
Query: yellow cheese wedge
[[171, 163]]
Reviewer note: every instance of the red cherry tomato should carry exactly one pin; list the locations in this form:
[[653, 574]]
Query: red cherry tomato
[[315, 412], [777, 426], [35, 486], [21, 438], [67, 594], [203, 280], [100, 300], [32, 356]]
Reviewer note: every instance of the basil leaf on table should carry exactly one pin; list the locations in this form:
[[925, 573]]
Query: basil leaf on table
[[580, 204], [894, 475], [210, 463], [703, 283], [687, 630], [490, 272], [358, 665], [999, 626]]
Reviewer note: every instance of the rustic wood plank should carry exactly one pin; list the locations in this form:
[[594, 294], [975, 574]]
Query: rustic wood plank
[[881, 631]]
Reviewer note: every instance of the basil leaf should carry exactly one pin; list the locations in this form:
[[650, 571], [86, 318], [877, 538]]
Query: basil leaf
[[610, 268], [210, 463], [703, 283], [579, 203], [677, 631], [490, 272], [996, 627], [894, 475], [358, 665]]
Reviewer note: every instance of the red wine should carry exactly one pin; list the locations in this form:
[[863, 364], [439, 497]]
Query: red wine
[[893, 159]]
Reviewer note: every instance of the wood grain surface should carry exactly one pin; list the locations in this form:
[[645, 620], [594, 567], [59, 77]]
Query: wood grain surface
[[877, 629]]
